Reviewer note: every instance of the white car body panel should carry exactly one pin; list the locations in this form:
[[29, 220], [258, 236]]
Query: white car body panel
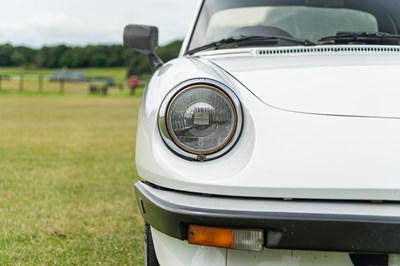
[[280, 154], [320, 82]]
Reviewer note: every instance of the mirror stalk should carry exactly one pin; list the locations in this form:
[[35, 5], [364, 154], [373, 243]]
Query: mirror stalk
[[155, 61]]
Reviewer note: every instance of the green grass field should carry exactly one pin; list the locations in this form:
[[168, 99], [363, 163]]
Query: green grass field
[[66, 181]]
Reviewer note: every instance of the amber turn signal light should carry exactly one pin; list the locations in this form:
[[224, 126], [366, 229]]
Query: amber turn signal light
[[245, 239]]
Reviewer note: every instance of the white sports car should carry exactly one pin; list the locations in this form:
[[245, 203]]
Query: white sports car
[[274, 138]]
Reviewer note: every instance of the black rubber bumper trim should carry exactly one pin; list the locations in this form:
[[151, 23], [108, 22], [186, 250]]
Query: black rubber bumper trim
[[323, 232]]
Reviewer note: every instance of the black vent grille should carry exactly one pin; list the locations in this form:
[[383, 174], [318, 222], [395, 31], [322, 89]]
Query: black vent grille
[[331, 50]]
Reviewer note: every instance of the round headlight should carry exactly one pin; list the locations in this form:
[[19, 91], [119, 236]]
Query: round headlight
[[201, 121]]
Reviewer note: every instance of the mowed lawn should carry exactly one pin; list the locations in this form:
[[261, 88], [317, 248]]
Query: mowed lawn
[[66, 181]]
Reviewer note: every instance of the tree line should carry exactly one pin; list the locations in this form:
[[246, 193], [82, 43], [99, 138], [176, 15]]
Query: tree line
[[81, 57]]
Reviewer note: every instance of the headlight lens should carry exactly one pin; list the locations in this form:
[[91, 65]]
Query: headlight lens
[[201, 120]]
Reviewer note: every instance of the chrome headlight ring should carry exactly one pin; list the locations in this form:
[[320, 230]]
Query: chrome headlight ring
[[200, 119]]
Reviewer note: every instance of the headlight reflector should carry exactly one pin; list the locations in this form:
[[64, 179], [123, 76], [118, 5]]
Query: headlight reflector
[[202, 120]]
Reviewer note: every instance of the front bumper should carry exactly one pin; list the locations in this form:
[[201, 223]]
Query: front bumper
[[302, 225]]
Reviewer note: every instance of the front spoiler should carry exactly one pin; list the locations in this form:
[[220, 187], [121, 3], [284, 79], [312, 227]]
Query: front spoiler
[[302, 225]]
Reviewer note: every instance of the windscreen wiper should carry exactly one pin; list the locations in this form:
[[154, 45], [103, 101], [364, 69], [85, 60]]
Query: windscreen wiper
[[361, 38], [240, 41]]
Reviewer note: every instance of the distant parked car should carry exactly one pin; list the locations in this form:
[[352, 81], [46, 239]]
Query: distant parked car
[[274, 137], [100, 85], [68, 76]]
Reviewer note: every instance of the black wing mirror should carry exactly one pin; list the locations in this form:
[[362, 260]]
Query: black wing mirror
[[143, 39]]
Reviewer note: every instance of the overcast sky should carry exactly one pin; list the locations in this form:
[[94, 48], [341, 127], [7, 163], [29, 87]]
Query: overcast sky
[[36, 23]]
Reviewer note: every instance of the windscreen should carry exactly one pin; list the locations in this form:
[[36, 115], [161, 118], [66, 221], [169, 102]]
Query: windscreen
[[310, 19]]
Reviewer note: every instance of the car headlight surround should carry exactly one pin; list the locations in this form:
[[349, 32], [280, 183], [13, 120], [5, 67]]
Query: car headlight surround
[[200, 119]]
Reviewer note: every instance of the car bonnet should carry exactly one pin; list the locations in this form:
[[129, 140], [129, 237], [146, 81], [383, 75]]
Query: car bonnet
[[358, 81]]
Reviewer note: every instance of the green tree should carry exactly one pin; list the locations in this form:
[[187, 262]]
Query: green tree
[[79, 57], [139, 64], [5, 54], [169, 51]]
